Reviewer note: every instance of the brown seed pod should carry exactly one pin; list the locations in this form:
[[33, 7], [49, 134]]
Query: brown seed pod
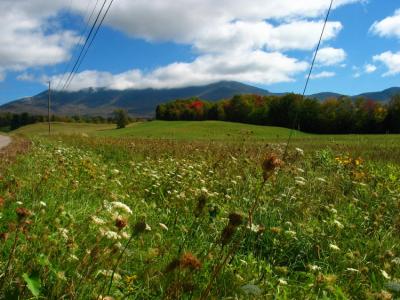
[[188, 260], [120, 223], [235, 219], [172, 265], [270, 164], [201, 203], [22, 213], [227, 234], [139, 227]]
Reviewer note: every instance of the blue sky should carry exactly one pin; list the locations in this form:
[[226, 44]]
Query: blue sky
[[174, 43]]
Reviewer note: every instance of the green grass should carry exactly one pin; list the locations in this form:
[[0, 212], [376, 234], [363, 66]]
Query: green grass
[[61, 128], [325, 226], [199, 130]]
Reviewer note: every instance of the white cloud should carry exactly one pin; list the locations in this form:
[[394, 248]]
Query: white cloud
[[27, 41], [330, 56], [369, 68], [323, 74], [388, 27], [233, 39], [390, 60], [255, 67]]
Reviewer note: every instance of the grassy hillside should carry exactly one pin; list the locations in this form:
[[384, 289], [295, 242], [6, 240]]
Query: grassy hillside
[[199, 130], [188, 130], [61, 128]]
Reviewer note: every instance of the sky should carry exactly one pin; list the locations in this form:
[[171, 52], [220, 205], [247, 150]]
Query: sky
[[177, 43]]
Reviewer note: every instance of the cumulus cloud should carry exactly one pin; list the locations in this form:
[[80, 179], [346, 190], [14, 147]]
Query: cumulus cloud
[[330, 56], [323, 74], [27, 41], [233, 39], [255, 67], [369, 68], [391, 60], [388, 27]]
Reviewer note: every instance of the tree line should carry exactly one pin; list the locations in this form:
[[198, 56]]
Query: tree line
[[334, 115], [11, 121]]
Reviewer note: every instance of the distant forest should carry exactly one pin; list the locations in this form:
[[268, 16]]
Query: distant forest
[[9, 121], [342, 115]]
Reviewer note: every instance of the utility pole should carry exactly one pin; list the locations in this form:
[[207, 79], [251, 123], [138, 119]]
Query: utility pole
[[48, 108]]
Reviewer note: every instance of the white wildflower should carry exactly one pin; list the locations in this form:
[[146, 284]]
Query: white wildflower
[[254, 227], [115, 171], [121, 206], [148, 228], [314, 267], [338, 224], [282, 281], [334, 247], [300, 151], [353, 270], [163, 226], [321, 179], [125, 235], [300, 170], [112, 235], [43, 204], [64, 233], [384, 274], [19, 202], [396, 261], [108, 273], [299, 182], [290, 232], [204, 190], [97, 220], [73, 257]]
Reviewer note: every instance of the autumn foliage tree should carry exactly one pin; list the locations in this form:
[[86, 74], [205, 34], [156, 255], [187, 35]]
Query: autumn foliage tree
[[334, 115]]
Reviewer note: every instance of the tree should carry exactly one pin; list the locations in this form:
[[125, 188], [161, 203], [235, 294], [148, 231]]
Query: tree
[[121, 118]]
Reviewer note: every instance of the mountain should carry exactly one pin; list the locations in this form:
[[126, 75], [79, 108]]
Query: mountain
[[143, 102], [325, 95], [137, 102], [384, 95]]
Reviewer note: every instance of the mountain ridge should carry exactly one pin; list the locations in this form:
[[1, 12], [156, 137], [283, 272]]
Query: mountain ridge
[[142, 102]]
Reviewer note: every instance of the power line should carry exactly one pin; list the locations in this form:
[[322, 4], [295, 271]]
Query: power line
[[308, 77], [83, 33], [83, 47], [91, 42]]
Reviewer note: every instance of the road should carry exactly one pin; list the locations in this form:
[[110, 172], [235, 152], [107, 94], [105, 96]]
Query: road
[[4, 141]]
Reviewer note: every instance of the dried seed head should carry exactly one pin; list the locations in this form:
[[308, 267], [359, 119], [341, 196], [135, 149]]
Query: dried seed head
[[139, 227], [235, 219], [22, 213], [227, 234], [201, 203], [120, 223], [270, 164], [188, 260], [172, 265]]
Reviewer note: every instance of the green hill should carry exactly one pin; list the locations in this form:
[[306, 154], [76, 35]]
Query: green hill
[[166, 130]]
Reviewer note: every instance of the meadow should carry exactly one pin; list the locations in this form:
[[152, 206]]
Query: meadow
[[199, 210]]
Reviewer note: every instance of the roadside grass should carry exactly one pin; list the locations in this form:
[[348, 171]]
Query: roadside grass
[[84, 217], [61, 128]]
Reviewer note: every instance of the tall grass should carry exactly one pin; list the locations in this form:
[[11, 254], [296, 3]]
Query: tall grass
[[146, 219]]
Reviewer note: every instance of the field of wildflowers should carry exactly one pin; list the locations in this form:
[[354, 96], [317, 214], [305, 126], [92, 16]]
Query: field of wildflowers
[[110, 218]]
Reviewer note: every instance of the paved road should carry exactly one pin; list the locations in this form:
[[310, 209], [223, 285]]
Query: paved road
[[4, 141]]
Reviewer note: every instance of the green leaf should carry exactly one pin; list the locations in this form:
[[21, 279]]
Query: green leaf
[[33, 283]]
